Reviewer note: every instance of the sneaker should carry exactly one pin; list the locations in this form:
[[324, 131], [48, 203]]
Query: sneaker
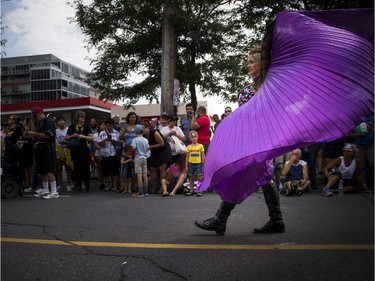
[[69, 188], [198, 194], [40, 190], [83, 187], [137, 195], [114, 188], [40, 194], [51, 196], [327, 192], [30, 189], [189, 193], [107, 188], [145, 195]]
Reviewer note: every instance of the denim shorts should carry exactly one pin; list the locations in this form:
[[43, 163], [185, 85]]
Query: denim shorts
[[195, 169]]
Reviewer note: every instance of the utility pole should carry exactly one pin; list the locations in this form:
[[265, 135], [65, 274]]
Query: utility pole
[[169, 58]]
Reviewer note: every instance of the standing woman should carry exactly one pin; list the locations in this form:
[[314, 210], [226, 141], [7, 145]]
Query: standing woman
[[160, 155], [172, 130], [80, 154], [27, 152], [127, 135]]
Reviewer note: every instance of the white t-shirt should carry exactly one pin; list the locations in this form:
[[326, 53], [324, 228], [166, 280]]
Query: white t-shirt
[[166, 130], [60, 136]]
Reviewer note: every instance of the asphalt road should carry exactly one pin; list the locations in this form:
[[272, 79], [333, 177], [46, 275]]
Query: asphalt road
[[110, 236]]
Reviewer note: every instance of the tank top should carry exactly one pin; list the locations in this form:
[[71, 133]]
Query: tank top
[[346, 172]]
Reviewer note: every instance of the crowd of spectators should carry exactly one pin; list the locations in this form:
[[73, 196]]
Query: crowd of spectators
[[138, 156]]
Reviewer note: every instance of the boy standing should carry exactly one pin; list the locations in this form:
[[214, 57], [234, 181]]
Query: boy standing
[[194, 159], [141, 146]]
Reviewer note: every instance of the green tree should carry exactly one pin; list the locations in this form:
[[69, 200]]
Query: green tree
[[127, 36], [212, 42]]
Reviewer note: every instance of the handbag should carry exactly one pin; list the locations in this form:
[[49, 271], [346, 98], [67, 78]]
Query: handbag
[[73, 143], [179, 145]]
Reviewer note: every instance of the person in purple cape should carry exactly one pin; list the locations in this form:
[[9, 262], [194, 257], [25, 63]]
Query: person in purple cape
[[318, 85], [271, 196]]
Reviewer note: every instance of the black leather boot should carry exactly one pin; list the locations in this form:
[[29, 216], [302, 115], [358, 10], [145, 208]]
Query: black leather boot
[[219, 222], [275, 224]]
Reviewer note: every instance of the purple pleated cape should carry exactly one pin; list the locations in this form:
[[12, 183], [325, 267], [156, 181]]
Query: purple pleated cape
[[319, 86]]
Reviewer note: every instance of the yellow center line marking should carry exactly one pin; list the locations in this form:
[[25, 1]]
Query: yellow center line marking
[[194, 246]]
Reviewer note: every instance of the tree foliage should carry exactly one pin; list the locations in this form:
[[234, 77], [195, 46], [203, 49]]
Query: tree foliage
[[212, 41]]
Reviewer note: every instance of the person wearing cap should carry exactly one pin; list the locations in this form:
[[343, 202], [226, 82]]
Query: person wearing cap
[[347, 169], [141, 146], [44, 153]]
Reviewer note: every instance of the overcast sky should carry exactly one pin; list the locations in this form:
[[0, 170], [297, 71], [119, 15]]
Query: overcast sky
[[35, 27]]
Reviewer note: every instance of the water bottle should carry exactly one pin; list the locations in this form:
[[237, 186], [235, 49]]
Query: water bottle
[[341, 188]]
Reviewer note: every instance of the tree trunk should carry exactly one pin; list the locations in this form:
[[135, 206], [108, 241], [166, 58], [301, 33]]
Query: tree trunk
[[169, 51]]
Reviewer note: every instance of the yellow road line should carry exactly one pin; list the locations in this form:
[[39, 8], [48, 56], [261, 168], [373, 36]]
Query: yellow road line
[[194, 246]]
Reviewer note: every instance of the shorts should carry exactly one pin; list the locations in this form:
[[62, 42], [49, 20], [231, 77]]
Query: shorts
[[45, 158], [195, 170], [140, 166], [110, 166]]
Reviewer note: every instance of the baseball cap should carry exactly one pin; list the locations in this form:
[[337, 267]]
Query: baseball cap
[[115, 115], [139, 129], [36, 110]]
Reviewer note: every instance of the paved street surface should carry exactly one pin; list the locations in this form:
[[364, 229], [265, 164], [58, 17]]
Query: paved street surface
[[110, 236]]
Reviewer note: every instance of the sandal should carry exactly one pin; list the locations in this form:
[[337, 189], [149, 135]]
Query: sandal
[[165, 194]]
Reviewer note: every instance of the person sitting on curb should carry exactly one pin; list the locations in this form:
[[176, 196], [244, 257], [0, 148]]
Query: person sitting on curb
[[347, 169], [296, 174]]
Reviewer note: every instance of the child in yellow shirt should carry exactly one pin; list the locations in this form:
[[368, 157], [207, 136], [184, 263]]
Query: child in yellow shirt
[[194, 161]]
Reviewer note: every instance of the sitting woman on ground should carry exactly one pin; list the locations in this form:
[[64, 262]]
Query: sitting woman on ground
[[346, 169], [176, 176]]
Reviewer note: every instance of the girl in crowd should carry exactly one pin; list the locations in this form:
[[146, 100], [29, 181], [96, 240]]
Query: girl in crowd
[[127, 170], [176, 175], [63, 155], [97, 156]]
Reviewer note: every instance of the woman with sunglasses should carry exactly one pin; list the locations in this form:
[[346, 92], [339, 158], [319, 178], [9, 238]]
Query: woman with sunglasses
[[347, 169], [80, 154]]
